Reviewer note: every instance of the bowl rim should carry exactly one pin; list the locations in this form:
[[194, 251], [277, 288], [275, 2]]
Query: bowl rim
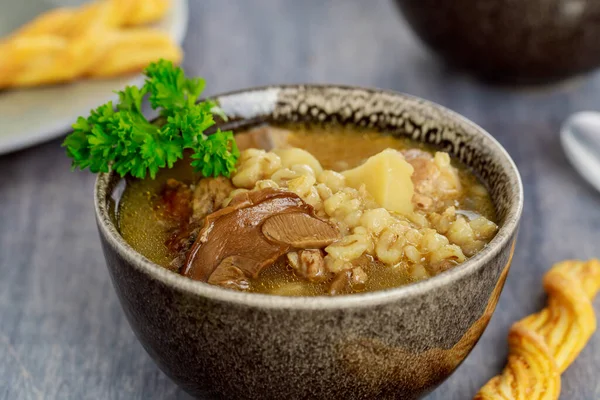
[[190, 287]]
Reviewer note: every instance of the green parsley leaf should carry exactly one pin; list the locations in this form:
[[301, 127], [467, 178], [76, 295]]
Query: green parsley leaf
[[124, 140], [216, 155], [170, 89]]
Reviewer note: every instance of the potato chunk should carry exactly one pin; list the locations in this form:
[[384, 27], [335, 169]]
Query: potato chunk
[[387, 177]]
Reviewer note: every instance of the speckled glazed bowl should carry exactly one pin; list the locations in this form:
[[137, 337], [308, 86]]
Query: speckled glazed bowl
[[394, 344], [511, 41]]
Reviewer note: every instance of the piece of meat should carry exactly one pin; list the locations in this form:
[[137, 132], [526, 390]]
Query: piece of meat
[[174, 208], [233, 237], [174, 202], [434, 179], [179, 243], [183, 211], [341, 283], [358, 278], [348, 280], [437, 268], [263, 137], [179, 237], [209, 195], [309, 264]]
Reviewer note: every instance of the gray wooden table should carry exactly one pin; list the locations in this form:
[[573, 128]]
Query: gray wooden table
[[62, 332]]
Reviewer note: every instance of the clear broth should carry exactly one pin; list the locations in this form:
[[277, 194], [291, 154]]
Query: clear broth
[[336, 148]]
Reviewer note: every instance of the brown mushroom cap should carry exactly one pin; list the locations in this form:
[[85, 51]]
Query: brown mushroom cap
[[299, 230], [251, 233]]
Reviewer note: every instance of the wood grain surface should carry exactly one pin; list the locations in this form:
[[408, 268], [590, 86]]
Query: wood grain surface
[[62, 332]]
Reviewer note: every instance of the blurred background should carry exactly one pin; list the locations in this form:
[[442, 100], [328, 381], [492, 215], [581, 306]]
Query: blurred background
[[517, 68]]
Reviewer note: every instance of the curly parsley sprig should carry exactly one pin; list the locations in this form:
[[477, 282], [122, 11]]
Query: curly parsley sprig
[[124, 140]]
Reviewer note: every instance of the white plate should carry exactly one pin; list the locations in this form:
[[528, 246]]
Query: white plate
[[31, 116]]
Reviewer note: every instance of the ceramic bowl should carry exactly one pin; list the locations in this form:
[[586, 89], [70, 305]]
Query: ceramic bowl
[[511, 41], [397, 343]]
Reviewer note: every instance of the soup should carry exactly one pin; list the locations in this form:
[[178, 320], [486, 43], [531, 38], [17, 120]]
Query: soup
[[312, 211]]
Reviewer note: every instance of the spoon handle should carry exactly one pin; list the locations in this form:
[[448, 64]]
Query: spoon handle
[[580, 137]]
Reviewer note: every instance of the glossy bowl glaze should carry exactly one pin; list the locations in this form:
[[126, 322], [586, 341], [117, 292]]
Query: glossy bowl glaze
[[511, 41], [398, 344]]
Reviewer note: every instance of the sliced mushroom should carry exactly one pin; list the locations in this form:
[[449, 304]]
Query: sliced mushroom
[[232, 238], [299, 230], [229, 275]]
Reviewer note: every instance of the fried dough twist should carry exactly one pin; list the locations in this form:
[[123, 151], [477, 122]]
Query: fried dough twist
[[99, 39], [543, 345]]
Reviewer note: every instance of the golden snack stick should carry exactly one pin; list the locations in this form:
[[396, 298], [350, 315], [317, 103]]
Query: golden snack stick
[[88, 18], [136, 12], [48, 59], [65, 55], [530, 373], [48, 23], [543, 345], [67, 23], [568, 321], [114, 13], [69, 43], [18, 56], [133, 50]]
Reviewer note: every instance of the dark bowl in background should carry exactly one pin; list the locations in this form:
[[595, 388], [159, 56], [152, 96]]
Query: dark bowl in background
[[510, 41]]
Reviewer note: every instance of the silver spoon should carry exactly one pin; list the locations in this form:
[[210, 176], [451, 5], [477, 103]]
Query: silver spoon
[[580, 137]]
